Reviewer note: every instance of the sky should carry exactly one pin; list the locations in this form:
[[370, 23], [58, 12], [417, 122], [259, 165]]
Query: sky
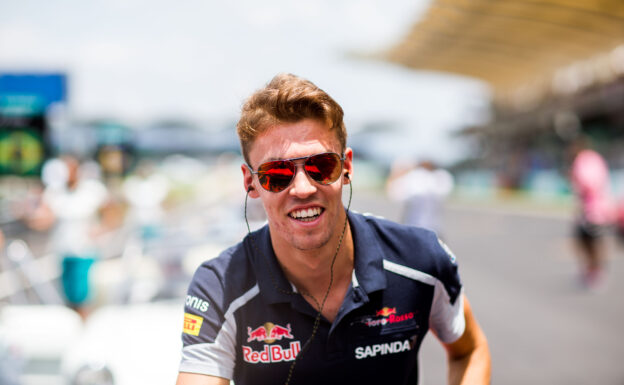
[[142, 61]]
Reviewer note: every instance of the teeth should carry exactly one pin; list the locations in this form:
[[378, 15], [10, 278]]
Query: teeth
[[303, 214]]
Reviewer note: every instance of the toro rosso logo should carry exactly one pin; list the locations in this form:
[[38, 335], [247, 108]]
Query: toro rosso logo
[[269, 333], [387, 315]]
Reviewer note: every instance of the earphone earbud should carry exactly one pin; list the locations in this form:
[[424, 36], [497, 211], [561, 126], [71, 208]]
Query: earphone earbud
[[347, 175], [250, 188]]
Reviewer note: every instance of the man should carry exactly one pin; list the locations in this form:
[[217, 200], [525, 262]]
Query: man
[[320, 295], [77, 206], [421, 188], [590, 180]]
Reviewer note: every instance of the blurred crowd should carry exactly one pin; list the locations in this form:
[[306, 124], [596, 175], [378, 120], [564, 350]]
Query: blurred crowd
[[83, 236]]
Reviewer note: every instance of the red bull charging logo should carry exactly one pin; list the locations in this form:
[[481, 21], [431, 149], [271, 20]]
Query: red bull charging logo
[[269, 333], [386, 311]]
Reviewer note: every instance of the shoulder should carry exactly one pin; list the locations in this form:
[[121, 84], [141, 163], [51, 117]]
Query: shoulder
[[225, 277], [408, 248], [404, 243]]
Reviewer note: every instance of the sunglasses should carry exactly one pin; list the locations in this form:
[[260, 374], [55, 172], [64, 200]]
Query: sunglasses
[[277, 175]]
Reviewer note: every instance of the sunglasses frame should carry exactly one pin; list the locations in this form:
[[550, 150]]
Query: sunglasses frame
[[293, 160]]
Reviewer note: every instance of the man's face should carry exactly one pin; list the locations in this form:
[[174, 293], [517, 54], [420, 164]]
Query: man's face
[[306, 214]]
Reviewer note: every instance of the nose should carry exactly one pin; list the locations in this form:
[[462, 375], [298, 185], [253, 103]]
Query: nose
[[303, 186]]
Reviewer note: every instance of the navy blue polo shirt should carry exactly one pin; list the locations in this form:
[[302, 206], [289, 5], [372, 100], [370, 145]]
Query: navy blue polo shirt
[[243, 322]]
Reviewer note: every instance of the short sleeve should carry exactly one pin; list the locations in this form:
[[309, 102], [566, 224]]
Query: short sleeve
[[447, 309], [208, 332]]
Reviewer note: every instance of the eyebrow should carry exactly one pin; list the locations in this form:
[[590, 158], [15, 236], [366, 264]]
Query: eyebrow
[[272, 159]]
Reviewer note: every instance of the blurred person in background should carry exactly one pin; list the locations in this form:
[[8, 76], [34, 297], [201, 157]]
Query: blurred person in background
[[589, 177], [422, 188], [145, 191], [73, 205], [321, 295]]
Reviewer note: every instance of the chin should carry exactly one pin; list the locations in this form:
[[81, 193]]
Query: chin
[[310, 242]]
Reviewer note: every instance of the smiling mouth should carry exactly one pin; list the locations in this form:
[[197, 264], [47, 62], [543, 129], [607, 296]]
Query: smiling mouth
[[306, 215]]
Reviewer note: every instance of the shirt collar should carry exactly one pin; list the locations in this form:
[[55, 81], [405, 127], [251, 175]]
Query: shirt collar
[[369, 273], [275, 288]]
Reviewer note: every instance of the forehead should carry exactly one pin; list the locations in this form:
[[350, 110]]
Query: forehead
[[290, 140]]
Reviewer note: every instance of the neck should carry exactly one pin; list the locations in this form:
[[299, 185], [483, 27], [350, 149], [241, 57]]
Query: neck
[[311, 270]]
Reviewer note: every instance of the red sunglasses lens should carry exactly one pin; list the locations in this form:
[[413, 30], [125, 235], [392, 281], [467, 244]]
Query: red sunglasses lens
[[323, 168], [276, 176]]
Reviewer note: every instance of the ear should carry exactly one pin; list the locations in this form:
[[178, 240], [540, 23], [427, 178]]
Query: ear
[[248, 182], [348, 166]]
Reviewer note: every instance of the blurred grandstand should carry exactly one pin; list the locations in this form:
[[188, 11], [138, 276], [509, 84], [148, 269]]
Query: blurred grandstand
[[556, 69]]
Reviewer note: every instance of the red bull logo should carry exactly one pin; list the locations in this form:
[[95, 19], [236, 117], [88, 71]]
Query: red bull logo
[[271, 353], [269, 333]]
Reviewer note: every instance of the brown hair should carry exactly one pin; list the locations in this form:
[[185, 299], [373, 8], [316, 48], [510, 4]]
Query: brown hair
[[287, 99]]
